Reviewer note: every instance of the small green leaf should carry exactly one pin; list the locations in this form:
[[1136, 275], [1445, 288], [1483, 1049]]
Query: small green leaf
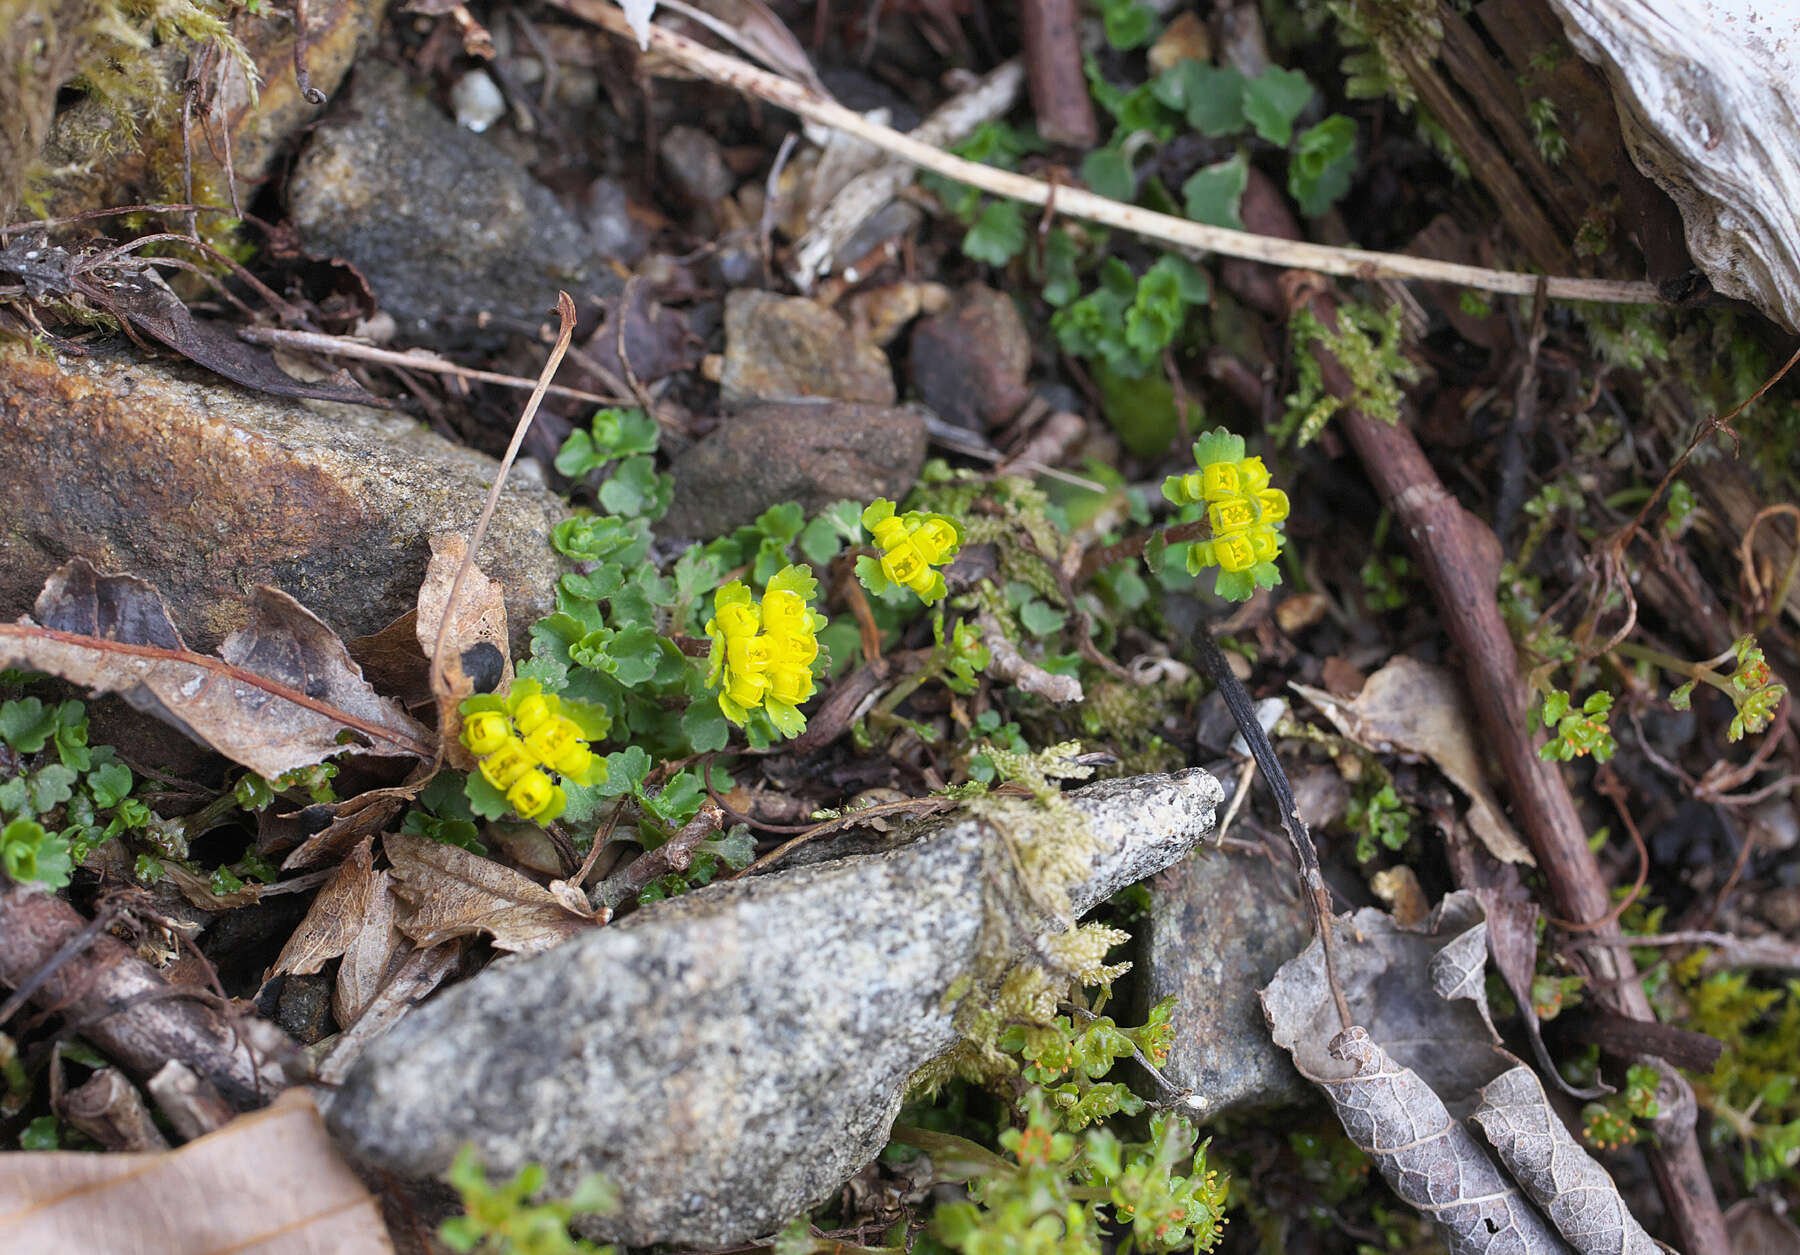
[[27, 725], [1128, 24], [50, 787], [1040, 618], [705, 726], [820, 542], [1061, 283], [998, 235], [484, 799], [1273, 99], [109, 784], [1323, 162], [625, 771], [1210, 97], [787, 720], [1107, 172], [636, 489], [1213, 194]]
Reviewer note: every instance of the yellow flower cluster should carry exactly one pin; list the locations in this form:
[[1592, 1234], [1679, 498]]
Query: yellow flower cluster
[[763, 653], [522, 743], [913, 545], [1243, 510]]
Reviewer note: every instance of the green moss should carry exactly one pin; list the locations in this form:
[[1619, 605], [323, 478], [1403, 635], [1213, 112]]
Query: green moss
[[124, 55], [1366, 343]]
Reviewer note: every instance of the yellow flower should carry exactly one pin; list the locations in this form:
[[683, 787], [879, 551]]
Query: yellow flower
[[1244, 512], [522, 741], [763, 654], [913, 545]]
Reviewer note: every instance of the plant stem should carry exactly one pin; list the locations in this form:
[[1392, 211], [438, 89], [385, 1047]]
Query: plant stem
[[1692, 670], [1098, 560]]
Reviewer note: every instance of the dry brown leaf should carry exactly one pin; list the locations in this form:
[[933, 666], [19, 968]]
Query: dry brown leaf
[[353, 819], [416, 975], [270, 1182], [454, 893], [351, 918], [1561, 1177], [371, 953], [1419, 709], [279, 695], [1423, 1047], [478, 622], [1758, 1229]]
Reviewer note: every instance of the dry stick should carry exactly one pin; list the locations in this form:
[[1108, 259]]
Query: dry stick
[[1318, 897], [340, 346], [565, 310], [1076, 203]]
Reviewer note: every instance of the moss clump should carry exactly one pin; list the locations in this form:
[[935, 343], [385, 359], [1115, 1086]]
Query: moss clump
[[117, 52]]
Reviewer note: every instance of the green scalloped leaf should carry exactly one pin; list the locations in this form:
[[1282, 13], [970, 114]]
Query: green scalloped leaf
[[871, 576], [795, 579], [1218, 445], [878, 509], [787, 719]]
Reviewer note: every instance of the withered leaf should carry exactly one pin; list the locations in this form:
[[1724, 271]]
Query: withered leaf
[[334, 918], [1419, 709], [1423, 1047], [477, 621], [270, 1182], [282, 694], [1562, 1178], [148, 304], [415, 975], [1428, 1157], [454, 893]]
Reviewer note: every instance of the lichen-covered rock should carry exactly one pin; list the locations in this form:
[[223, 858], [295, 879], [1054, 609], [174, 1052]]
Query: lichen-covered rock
[[779, 348], [733, 1056], [206, 490], [446, 227], [814, 454], [1221, 925]]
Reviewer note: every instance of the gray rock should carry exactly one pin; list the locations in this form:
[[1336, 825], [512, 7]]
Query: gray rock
[[1221, 925], [814, 454], [695, 165], [205, 490], [445, 226], [779, 348], [969, 362], [733, 1056]]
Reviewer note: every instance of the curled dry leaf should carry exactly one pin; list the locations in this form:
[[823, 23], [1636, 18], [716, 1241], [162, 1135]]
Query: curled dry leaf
[[1423, 1048], [269, 1182], [454, 893], [1561, 1177], [1419, 709], [477, 623], [1426, 1155], [282, 693]]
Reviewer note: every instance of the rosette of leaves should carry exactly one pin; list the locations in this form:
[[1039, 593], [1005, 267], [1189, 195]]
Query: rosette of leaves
[[65, 797]]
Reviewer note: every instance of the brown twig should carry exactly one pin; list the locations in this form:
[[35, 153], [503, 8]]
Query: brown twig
[[1059, 90], [340, 346], [123, 1004], [674, 855]]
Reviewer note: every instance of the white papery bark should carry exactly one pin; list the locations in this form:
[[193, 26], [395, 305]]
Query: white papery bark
[[1708, 93]]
